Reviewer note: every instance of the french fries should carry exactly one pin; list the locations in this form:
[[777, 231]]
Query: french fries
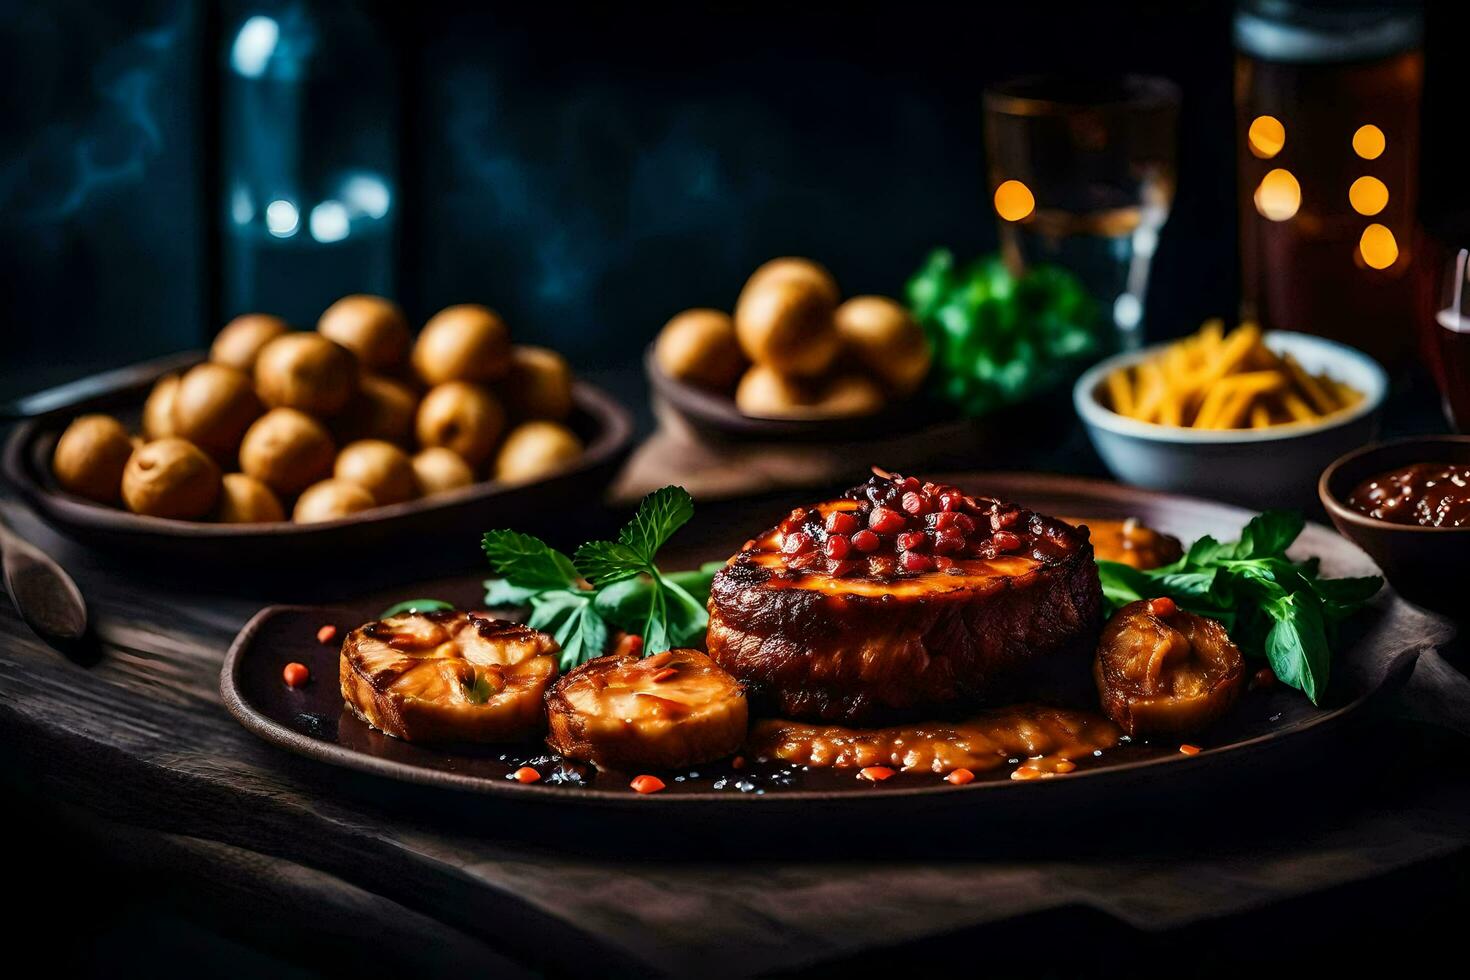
[[1219, 380]]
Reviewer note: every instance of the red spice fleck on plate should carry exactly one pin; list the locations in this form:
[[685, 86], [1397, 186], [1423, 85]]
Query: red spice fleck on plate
[[960, 777], [525, 774], [875, 774], [738, 762], [326, 634], [1189, 749], [295, 674], [647, 784]]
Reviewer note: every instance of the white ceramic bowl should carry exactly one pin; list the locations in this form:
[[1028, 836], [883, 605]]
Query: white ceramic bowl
[[1275, 467]]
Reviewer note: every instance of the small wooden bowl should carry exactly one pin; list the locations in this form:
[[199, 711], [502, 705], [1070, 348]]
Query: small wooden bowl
[[1427, 565], [605, 427], [715, 415]]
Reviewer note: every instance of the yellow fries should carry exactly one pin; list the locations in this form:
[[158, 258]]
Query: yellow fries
[[1215, 380]]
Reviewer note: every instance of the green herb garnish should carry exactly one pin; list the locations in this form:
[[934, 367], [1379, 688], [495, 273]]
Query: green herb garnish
[[610, 583], [1274, 607], [415, 606]]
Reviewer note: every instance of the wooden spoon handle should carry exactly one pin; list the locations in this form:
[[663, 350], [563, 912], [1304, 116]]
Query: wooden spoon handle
[[42, 592]]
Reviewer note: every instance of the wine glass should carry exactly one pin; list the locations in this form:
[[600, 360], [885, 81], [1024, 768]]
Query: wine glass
[[1449, 341]]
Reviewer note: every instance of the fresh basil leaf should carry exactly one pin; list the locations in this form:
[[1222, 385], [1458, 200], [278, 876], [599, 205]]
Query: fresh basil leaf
[[656, 637], [1351, 592], [1204, 551], [415, 606], [1121, 584], [572, 621], [1268, 535], [659, 515], [499, 593], [1193, 585], [1297, 644], [528, 561], [606, 562]]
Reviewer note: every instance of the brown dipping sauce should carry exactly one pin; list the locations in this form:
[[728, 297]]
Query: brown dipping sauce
[[1426, 494]]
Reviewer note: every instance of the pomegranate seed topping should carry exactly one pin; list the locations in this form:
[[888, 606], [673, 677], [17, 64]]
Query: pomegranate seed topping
[[912, 540], [912, 561], [915, 503], [837, 547], [841, 569], [796, 542], [1005, 541], [841, 522], [525, 774], [943, 562], [885, 520], [1162, 606], [948, 541], [295, 674], [865, 540], [951, 500], [965, 523], [908, 484], [945, 519], [1002, 519]]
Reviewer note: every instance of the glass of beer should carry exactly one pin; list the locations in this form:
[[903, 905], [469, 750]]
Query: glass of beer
[[1082, 176]]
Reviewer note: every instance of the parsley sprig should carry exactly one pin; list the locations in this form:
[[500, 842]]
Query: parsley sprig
[[609, 584], [1273, 607]]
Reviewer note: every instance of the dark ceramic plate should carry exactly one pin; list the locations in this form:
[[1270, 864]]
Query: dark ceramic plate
[[604, 426], [312, 721]]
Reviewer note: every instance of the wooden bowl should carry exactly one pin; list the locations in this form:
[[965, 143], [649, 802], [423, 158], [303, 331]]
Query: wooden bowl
[[1427, 565], [715, 415], [605, 427]]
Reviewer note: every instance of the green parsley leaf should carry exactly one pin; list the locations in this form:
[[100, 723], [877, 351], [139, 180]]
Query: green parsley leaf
[[415, 606], [528, 561], [659, 515]]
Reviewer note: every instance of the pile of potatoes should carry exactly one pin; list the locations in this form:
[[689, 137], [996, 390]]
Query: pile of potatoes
[[793, 349], [356, 415]]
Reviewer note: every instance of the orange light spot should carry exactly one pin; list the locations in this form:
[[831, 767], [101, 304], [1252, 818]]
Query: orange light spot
[[1014, 201], [525, 774], [1188, 749], [1378, 247], [1279, 195], [1369, 142], [1368, 195], [1266, 137], [960, 777]]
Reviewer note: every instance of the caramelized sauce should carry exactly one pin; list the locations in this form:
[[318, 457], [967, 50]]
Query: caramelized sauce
[[1426, 494], [1129, 542], [1046, 738], [967, 573]]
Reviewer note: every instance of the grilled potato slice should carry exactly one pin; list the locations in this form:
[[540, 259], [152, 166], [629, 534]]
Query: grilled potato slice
[[448, 677], [661, 712]]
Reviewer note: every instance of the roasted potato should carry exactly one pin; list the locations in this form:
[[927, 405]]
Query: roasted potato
[[886, 340], [90, 458], [158, 410], [331, 500], [287, 450], [463, 343], [213, 407], [699, 346], [306, 371], [463, 417], [171, 478], [539, 385], [245, 500], [240, 342], [534, 449], [785, 323], [380, 468], [812, 273], [372, 327], [382, 408], [439, 470]]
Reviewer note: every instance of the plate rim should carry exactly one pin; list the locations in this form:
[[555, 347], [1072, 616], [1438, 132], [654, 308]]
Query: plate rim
[[272, 731]]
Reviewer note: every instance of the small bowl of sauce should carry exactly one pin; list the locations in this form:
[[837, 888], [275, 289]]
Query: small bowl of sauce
[[1407, 503]]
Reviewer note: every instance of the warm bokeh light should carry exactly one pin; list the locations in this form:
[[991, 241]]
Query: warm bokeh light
[[1014, 201], [1266, 136], [1368, 195], [1279, 195], [1378, 247], [1368, 142]]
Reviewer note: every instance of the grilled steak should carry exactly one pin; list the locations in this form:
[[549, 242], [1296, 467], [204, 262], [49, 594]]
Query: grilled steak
[[902, 598]]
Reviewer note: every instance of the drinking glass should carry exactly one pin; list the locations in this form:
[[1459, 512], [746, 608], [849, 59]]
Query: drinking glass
[[1082, 174], [1449, 343]]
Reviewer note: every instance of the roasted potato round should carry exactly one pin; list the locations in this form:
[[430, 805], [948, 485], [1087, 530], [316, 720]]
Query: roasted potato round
[[534, 449], [380, 468], [847, 396], [463, 417], [245, 500], [213, 407], [699, 346], [90, 457], [886, 340], [158, 410], [381, 409], [287, 450], [539, 385], [813, 273], [439, 470], [171, 478], [371, 327], [330, 500], [462, 343], [240, 342], [306, 371], [764, 393], [785, 323]]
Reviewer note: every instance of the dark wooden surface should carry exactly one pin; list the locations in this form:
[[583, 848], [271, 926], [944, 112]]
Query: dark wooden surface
[[130, 745]]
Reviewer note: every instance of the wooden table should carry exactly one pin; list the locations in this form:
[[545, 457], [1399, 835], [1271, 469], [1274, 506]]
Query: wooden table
[[134, 755]]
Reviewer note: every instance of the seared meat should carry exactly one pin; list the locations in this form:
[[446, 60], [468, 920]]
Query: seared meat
[[671, 709], [1163, 671], [903, 599], [448, 677]]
